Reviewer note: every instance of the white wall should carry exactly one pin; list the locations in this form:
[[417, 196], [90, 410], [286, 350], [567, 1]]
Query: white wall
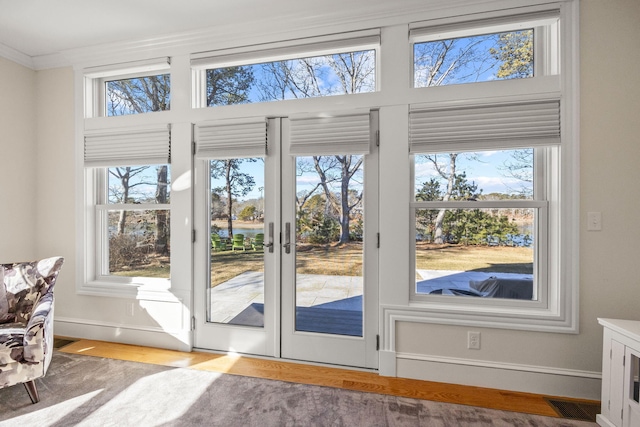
[[18, 162], [563, 364]]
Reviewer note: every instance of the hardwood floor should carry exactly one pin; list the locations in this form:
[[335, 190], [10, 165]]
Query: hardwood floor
[[323, 376]]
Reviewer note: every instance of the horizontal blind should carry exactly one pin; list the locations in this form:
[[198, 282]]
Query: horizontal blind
[[339, 134], [497, 126], [127, 147], [231, 139]]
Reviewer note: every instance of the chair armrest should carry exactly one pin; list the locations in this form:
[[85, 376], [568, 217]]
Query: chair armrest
[[39, 332]]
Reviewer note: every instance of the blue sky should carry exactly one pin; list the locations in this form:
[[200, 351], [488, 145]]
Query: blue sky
[[486, 169]]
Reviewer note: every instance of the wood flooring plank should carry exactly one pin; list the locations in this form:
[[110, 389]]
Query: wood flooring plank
[[321, 375]]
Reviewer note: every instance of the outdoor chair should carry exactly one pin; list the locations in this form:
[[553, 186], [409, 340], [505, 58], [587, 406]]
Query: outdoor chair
[[217, 243], [238, 242], [26, 321], [258, 242]]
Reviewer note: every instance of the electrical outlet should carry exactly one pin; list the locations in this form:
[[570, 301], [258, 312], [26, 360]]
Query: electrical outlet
[[473, 340]]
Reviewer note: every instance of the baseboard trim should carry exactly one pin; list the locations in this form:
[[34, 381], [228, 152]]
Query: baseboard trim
[[504, 376], [387, 363], [180, 340]]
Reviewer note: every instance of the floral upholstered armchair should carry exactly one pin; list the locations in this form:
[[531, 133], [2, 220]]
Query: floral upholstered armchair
[[26, 321]]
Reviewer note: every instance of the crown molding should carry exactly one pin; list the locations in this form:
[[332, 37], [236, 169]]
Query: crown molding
[[16, 56]]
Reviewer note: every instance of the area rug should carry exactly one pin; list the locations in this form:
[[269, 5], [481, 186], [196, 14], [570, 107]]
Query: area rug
[[92, 391]]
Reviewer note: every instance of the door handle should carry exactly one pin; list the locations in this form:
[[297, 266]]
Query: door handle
[[270, 244], [287, 238]]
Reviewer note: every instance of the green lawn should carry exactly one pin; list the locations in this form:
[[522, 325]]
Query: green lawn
[[346, 260], [493, 259]]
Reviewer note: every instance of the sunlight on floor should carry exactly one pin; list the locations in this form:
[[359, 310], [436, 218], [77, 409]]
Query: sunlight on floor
[[153, 404], [62, 409]]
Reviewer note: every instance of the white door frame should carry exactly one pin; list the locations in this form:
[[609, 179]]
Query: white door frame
[[278, 337]]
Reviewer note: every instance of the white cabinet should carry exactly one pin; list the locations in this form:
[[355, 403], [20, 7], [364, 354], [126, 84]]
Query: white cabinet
[[620, 373]]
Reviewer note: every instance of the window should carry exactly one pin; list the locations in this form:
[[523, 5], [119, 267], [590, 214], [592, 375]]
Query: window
[[128, 89], [476, 216], [487, 166], [128, 181], [135, 210], [498, 56], [324, 66]]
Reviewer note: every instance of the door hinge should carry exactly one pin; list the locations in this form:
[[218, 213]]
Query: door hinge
[[377, 138], [609, 405], [193, 148], [377, 342], [624, 360], [193, 323], [193, 236], [378, 243]]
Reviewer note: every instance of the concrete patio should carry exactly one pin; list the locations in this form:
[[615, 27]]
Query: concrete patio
[[232, 297]]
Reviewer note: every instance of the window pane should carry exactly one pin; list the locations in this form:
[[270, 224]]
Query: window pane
[[481, 58], [475, 252], [482, 175], [139, 184], [329, 251], [139, 243], [338, 74], [138, 95], [236, 293]]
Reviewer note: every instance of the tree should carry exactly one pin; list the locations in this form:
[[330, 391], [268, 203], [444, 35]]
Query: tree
[[514, 51], [520, 167], [138, 95], [248, 213], [227, 86], [123, 192], [162, 224], [236, 183], [346, 166]]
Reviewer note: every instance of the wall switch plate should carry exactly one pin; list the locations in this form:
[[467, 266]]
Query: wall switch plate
[[594, 221]]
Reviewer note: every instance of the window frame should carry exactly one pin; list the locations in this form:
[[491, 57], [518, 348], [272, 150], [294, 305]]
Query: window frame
[[542, 180], [94, 247], [558, 309], [96, 78]]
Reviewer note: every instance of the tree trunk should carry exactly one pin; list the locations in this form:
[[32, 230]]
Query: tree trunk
[[162, 227], [125, 199], [344, 202], [451, 178], [229, 199]]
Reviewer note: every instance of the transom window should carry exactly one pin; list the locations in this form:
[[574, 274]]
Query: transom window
[[316, 67], [327, 75], [480, 58]]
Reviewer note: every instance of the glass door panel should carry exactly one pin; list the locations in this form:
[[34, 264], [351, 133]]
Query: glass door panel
[[329, 250], [237, 261], [236, 292], [328, 260]]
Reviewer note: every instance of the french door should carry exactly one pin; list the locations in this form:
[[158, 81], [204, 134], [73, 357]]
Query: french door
[[290, 270]]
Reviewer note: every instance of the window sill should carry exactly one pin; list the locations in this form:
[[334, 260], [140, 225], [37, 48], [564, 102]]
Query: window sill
[[157, 290]]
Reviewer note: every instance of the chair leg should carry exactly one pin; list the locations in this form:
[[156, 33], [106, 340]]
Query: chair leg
[[32, 390]]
